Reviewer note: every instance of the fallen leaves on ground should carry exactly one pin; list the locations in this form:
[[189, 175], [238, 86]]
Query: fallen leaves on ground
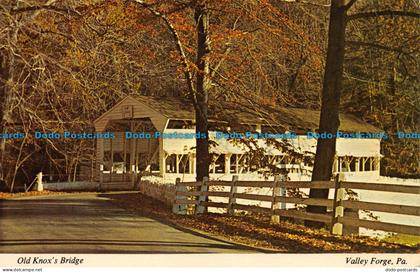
[[258, 231], [4, 195]]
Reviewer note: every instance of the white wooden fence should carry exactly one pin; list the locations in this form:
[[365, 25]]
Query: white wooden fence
[[195, 195]]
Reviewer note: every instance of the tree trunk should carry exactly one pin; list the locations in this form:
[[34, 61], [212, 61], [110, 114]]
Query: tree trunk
[[329, 119], [202, 88]]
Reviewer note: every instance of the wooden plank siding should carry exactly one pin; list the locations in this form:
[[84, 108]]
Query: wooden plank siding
[[140, 110]]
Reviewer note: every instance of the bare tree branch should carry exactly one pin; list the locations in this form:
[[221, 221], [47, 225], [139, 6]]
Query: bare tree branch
[[350, 4], [225, 53], [307, 3], [378, 46], [187, 72], [43, 7], [391, 13]]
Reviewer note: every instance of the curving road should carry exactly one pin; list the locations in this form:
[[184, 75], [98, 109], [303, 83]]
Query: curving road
[[87, 223]]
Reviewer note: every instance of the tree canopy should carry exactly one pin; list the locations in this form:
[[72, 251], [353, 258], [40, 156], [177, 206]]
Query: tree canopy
[[64, 63]]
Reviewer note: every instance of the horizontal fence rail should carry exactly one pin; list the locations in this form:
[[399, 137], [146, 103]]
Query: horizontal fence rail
[[394, 188], [197, 194]]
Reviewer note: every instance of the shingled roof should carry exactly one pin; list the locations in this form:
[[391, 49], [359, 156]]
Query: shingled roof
[[292, 119]]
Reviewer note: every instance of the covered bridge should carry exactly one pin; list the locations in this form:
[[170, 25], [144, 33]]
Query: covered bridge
[[127, 155]]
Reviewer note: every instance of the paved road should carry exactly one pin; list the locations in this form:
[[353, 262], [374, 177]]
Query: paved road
[[86, 223]]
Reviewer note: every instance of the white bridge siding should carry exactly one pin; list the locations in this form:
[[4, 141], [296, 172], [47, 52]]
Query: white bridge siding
[[357, 158]]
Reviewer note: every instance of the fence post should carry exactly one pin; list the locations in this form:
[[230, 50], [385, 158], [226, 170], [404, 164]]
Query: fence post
[[200, 208], [232, 199], [278, 190], [338, 209], [39, 185], [179, 208], [274, 204]]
